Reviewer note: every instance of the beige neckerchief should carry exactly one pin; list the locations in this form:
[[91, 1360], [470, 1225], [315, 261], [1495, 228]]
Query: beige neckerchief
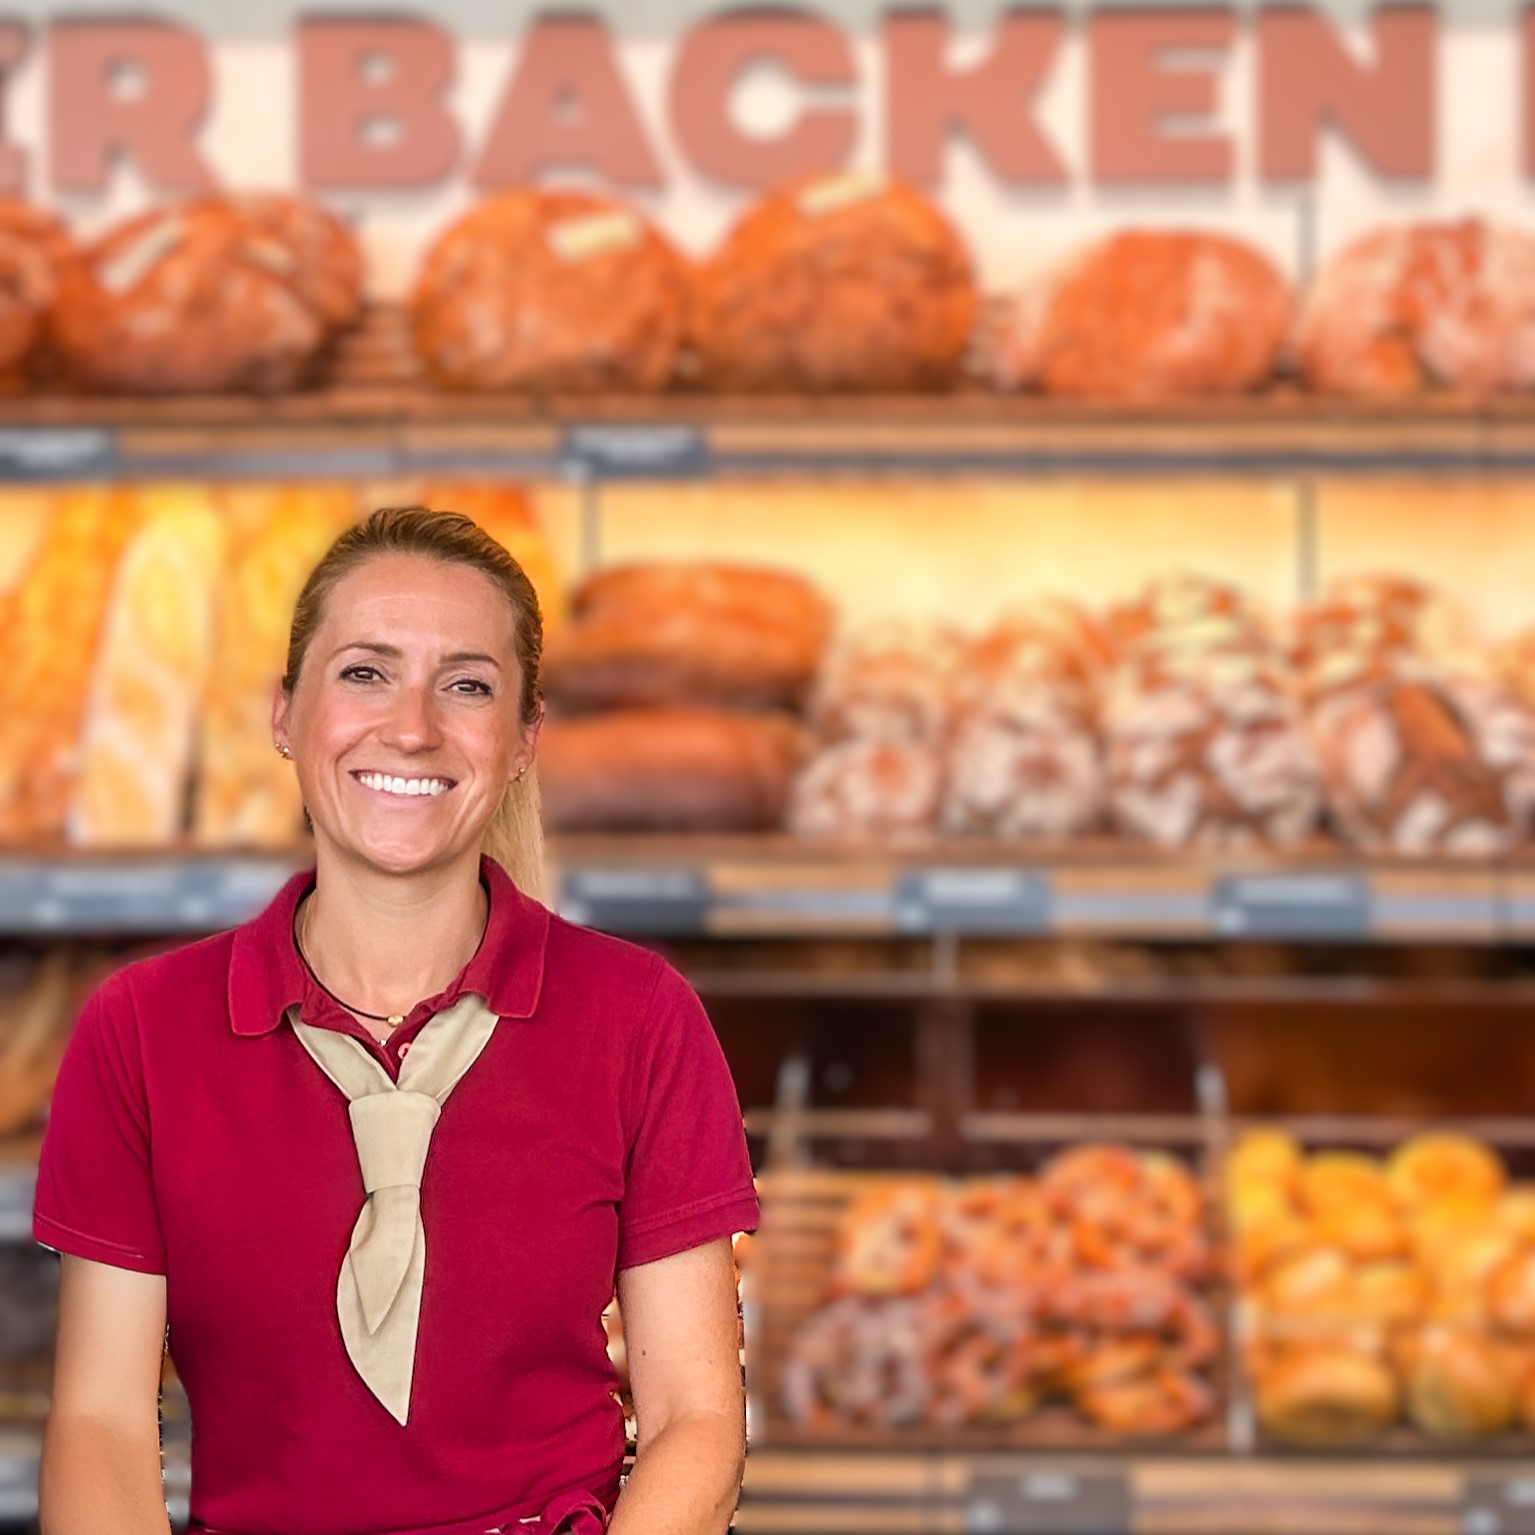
[[378, 1293]]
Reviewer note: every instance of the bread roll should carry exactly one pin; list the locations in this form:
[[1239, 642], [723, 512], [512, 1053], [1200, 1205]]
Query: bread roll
[[704, 635], [838, 283], [33, 246], [53, 629], [1439, 1166], [1461, 1385], [1326, 1396], [140, 727], [1265, 1156], [550, 290], [867, 787], [1422, 306], [1511, 1294], [1147, 315], [1341, 1181], [667, 770], [247, 796], [225, 293]]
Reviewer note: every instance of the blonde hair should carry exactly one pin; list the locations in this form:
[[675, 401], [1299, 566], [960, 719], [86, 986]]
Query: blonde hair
[[515, 837]]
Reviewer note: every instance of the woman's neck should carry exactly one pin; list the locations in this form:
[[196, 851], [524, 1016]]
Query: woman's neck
[[383, 942]]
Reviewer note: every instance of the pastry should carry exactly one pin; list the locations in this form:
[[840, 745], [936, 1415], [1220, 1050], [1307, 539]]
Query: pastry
[[1325, 1396], [1460, 1385]]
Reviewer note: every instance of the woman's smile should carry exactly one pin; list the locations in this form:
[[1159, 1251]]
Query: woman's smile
[[398, 787]]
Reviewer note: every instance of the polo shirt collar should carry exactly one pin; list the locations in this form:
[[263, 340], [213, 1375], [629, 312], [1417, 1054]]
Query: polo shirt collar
[[266, 975]]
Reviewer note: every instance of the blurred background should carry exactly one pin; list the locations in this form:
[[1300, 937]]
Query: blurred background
[[1034, 513]]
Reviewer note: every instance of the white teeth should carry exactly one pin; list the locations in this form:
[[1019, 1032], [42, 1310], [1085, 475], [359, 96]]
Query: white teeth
[[384, 783]]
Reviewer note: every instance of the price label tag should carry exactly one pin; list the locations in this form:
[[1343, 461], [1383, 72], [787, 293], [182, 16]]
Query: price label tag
[[659, 901], [656, 451], [1499, 1506], [56, 452], [1048, 1503], [1322, 905], [979, 901]]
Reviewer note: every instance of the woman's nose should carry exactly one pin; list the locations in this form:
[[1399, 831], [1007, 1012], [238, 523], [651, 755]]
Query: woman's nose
[[413, 719]]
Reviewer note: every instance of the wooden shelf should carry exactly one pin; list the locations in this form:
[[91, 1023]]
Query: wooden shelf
[[359, 427]]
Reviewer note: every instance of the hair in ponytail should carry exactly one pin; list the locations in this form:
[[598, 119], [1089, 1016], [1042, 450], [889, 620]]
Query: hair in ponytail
[[515, 836]]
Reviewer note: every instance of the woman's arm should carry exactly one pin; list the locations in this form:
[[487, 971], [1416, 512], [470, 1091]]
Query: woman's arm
[[682, 1334], [101, 1448]]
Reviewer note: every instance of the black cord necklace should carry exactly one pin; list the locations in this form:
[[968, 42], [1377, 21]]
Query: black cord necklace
[[394, 1020]]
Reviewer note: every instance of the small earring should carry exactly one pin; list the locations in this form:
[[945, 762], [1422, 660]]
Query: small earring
[[520, 772], [283, 751]]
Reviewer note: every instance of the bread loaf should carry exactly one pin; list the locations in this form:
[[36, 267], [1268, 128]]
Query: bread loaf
[[53, 630], [714, 635], [667, 770], [33, 246], [837, 283], [893, 681], [865, 786], [1147, 316], [1024, 758], [1203, 730], [1326, 1396], [225, 293], [1422, 306], [550, 291], [246, 795], [139, 732]]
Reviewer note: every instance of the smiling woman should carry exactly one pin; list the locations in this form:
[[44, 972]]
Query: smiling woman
[[509, 1114]]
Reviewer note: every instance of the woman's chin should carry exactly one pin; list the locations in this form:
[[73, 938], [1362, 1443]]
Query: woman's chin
[[399, 854]]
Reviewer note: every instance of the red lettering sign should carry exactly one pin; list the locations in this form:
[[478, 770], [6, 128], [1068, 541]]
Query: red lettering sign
[[990, 102], [1308, 79], [710, 61], [1136, 89], [567, 107], [136, 89], [371, 110]]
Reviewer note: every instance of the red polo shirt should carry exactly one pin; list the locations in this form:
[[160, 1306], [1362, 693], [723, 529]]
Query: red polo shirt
[[193, 1136]]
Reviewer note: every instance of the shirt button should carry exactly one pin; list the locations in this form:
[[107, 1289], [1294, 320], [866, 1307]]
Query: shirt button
[[405, 1047]]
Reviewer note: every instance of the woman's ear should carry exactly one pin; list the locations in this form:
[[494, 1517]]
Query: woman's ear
[[281, 704]]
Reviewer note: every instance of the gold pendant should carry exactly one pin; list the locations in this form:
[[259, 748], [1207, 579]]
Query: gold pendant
[[395, 1020]]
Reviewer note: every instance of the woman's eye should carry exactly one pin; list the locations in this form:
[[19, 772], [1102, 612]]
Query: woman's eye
[[473, 685], [359, 673]]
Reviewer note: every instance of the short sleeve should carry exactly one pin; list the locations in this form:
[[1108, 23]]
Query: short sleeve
[[95, 1187], [688, 1178]]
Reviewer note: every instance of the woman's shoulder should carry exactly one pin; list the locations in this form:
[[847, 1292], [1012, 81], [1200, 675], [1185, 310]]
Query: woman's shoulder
[[582, 962], [165, 982]]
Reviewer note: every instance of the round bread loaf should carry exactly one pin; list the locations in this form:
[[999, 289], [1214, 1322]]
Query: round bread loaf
[[1147, 315], [550, 291], [667, 770], [893, 681], [1461, 1384], [1205, 742], [33, 246], [646, 635], [1024, 760], [1415, 307], [226, 293], [868, 787], [838, 283]]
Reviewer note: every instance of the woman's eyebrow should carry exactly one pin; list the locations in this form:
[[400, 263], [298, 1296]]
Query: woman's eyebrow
[[393, 652]]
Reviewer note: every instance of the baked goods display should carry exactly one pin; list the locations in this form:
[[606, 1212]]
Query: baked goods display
[[714, 635], [550, 291], [981, 1301], [1203, 733], [1422, 747], [1146, 315], [667, 769], [846, 282], [1412, 307], [53, 636], [247, 796], [1380, 1290], [224, 293]]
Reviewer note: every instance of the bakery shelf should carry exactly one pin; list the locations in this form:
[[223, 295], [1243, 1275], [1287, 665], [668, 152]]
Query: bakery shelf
[[778, 886], [348, 430], [818, 1492]]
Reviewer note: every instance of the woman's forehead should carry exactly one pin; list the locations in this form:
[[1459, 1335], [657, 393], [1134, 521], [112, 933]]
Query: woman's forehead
[[413, 595]]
